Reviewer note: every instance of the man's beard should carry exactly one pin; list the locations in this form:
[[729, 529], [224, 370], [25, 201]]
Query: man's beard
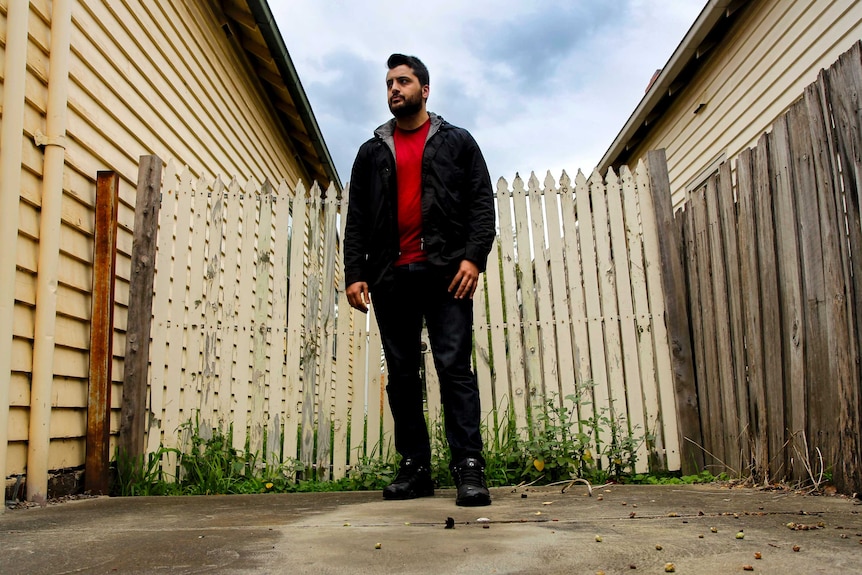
[[408, 107]]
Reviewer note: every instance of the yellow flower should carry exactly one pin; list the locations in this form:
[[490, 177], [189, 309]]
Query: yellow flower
[[269, 485]]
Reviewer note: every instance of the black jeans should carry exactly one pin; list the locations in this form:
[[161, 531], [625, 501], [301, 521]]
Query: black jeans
[[418, 291]]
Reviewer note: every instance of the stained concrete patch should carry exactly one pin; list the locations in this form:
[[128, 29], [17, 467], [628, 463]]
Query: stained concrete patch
[[545, 532]]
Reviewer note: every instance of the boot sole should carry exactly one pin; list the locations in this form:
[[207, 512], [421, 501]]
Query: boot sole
[[408, 495]]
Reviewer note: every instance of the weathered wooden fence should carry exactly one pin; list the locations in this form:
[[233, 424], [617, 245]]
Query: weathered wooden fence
[[251, 329], [774, 261]]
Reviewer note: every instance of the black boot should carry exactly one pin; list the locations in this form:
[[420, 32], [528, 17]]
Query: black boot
[[469, 476], [413, 480]]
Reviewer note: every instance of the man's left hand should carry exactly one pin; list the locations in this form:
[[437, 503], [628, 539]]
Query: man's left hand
[[465, 281]]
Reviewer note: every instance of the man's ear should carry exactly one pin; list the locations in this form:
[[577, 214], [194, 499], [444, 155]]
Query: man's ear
[[426, 89]]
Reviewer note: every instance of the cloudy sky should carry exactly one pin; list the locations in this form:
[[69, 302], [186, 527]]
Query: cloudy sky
[[541, 85]]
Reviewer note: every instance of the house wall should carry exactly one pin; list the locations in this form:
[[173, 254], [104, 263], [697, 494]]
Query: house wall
[[146, 77], [749, 80]]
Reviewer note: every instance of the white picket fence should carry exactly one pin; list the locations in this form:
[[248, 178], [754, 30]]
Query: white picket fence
[[252, 331]]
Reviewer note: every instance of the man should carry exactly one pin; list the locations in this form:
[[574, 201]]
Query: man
[[420, 224]]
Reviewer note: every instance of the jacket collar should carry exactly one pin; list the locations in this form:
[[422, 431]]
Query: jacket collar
[[385, 131]]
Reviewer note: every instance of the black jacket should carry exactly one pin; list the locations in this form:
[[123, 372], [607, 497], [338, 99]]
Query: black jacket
[[457, 204]]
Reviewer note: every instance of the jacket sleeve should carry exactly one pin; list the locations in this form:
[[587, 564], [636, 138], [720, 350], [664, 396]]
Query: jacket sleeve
[[482, 227], [355, 247]]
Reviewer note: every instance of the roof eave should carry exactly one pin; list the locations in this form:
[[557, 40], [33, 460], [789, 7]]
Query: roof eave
[[690, 49], [275, 42]]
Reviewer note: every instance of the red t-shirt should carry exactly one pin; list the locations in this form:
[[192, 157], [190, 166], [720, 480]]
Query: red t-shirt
[[409, 146]]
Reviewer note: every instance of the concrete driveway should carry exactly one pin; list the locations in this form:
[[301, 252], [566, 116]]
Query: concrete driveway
[[619, 529]]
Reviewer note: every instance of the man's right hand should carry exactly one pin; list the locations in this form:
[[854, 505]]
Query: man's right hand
[[358, 297]]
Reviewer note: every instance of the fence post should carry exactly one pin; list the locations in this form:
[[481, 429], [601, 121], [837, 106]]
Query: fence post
[[101, 334], [676, 310], [147, 200]]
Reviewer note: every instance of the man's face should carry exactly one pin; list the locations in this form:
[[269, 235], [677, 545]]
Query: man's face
[[404, 92]]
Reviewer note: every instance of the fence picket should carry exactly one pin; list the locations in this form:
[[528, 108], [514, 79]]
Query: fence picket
[[295, 321], [641, 322], [482, 351], [497, 325], [562, 314], [583, 372], [667, 416], [344, 385], [327, 320], [310, 341], [194, 328], [599, 391], [212, 309], [161, 300], [633, 391], [179, 305], [280, 319], [261, 323], [519, 388], [550, 388]]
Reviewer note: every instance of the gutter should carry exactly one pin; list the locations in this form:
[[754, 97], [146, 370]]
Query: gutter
[[275, 42], [665, 85], [11, 152]]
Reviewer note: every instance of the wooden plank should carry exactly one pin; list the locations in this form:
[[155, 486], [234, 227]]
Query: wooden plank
[[577, 307], [213, 336], [790, 290], [310, 349], [726, 385], [529, 313], [228, 320], [497, 325], [823, 430], [816, 358], [343, 381], [844, 82], [98, 456], [597, 396], [295, 324], [727, 213], [161, 318], [193, 378], [689, 235], [620, 249], [648, 378], [140, 312], [677, 314], [544, 299], [244, 326], [260, 326], [359, 405], [327, 325], [757, 455], [518, 388], [174, 382], [376, 396], [482, 352], [771, 315], [616, 406], [278, 334], [708, 388], [559, 287]]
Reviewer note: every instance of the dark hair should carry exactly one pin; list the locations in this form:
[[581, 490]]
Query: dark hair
[[411, 62]]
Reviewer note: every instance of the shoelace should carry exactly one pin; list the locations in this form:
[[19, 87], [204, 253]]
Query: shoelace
[[471, 476], [406, 473]]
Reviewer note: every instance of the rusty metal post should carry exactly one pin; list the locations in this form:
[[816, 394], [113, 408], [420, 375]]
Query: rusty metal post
[[102, 335]]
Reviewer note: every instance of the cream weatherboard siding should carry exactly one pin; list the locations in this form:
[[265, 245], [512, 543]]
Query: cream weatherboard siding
[[749, 79], [146, 77]]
